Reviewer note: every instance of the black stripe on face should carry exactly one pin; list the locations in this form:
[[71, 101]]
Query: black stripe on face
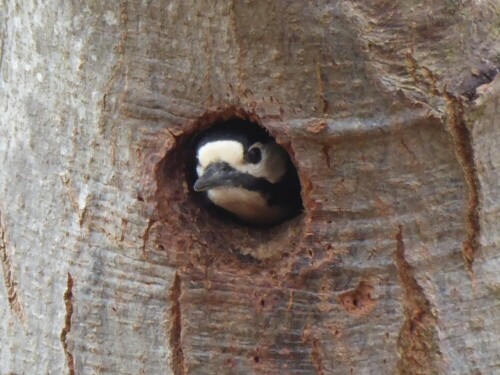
[[222, 174]]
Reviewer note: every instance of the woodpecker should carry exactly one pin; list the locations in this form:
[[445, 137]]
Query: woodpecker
[[242, 170]]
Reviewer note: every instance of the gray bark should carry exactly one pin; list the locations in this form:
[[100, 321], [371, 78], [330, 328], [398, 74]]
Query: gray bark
[[110, 266]]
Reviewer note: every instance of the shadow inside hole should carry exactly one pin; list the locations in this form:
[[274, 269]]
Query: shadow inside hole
[[285, 193]]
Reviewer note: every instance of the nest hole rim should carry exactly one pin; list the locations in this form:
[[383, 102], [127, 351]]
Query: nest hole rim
[[185, 145]]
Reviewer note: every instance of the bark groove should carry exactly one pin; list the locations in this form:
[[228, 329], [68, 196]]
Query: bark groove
[[465, 154], [176, 328], [417, 342], [68, 302], [8, 275]]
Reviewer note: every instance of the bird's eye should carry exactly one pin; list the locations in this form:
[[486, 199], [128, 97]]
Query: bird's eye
[[254, 155]]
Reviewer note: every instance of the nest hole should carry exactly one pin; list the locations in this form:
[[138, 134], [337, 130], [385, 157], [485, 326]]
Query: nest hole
[[213, 228]]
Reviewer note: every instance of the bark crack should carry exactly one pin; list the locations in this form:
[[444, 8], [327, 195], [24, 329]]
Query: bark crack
[[463, 149], [316, 357], [8, 275], [68, 302], [465, 153], [178, 366], [321, 89], [81, 212], [145, 236], [417, 341]]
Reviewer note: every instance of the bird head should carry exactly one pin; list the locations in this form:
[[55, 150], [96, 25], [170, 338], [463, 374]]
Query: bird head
[[240, 170]]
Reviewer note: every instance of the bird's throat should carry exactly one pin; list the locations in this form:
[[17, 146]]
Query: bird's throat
[[250, 206]]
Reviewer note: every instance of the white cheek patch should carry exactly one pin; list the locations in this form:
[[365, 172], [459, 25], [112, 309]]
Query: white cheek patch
[[199, 170], [230, 152]]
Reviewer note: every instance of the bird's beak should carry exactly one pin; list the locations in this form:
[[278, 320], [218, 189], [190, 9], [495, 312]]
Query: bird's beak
[[218, 174]]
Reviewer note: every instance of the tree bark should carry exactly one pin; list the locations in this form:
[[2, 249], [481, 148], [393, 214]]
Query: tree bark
[[389, 110]]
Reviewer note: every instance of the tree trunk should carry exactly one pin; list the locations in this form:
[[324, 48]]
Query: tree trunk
[[390, 112]]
